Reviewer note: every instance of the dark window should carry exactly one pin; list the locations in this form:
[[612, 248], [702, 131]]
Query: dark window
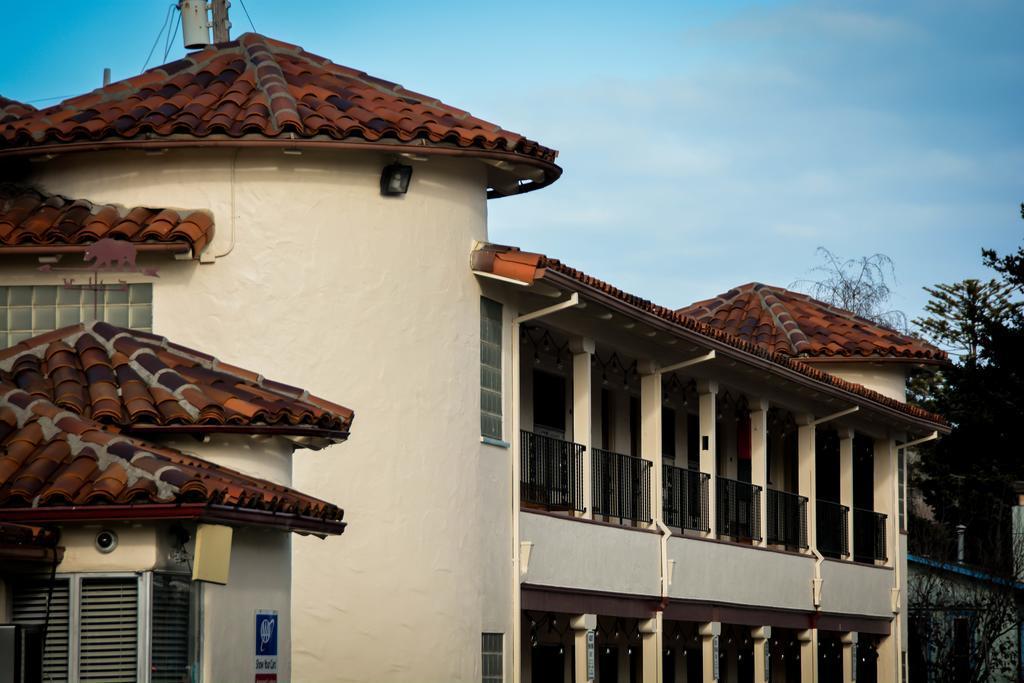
[[668, 433], [634, 426], [693, 441], [606, 419], [549, 402]]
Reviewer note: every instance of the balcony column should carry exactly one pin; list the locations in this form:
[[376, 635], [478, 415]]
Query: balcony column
[[582, 350], [581, 625], [805, 482], [709, 633], [808, 639], [759, 459], [707, 391], [885, 494], [762, 667], [849, 642], [846, 481], [650, 634], [650, 430]]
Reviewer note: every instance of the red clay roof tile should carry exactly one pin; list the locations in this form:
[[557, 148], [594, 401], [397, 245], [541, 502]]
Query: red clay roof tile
[[29, 218], [53, 458], [803, 327], [258, 86], [11, 110], [528, 267], [140, 381]]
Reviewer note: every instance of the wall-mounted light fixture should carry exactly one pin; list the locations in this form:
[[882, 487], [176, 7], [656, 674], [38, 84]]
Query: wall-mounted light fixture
[[394, 179]]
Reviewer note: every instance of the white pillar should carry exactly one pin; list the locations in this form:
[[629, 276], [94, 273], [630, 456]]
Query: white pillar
[[582, 429], [885, 493], [707, 391], [759, 459], [709, 634], [650, 430], [849, 642], [581, 624], [762, 668], [808, 639], [650, 633], [888, 651], [806, 467], [846, 481]]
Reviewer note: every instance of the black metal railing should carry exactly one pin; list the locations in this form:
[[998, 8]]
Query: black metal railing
[[685, 498], [833, 529], [787, 519], [552, 472], [738, 510], [869, 536], [622, 486]]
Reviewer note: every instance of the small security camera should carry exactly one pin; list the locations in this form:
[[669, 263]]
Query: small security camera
[[106, 541]]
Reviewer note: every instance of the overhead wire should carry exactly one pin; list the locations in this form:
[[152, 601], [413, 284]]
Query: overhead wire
[[246, 10], [172, 36], [156, 40]]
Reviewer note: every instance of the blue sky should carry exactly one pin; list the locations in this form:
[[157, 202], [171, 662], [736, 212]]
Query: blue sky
[[705, 144]]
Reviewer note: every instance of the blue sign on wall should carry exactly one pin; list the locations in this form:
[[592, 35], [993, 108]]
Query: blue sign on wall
[[266, 634]]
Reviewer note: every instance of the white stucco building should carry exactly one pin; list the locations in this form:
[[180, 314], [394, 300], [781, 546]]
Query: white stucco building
[[539, 455]]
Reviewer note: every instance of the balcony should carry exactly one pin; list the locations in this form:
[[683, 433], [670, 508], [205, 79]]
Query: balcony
[[833, 529], [738, 510], [622, 486], [787, 520], [869, 539], [552, 473], [685, 498]]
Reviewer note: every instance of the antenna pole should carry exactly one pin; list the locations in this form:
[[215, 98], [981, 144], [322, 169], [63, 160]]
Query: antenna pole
[[221, 25]]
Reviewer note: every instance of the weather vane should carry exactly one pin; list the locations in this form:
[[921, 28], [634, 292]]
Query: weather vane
[[108, 256]]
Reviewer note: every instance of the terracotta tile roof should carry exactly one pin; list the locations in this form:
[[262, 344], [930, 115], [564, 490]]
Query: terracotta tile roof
[[146, 384], [528, 267], [781, 321], [56, 460], [12, 109], [30, 218], [258, 87]]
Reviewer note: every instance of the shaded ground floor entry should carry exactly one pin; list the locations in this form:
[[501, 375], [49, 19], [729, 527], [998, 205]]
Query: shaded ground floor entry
[[631, 643]]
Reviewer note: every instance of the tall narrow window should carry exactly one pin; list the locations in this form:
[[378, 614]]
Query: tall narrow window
[[491, 649], [901, 477], [490, 368], [668, 433], [108, 630], [171, 634], [30, 609]]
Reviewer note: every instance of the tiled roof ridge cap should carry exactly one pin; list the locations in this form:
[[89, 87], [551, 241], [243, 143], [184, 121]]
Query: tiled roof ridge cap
[[784, 320], [271, 81]]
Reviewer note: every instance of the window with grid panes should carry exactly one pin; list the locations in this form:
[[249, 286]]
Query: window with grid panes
[[490, 368], [491, 649], [29, 310]]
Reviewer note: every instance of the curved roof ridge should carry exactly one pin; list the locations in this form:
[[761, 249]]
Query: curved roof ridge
[[783, 319]]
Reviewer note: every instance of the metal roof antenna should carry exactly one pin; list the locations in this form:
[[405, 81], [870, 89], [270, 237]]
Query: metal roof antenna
[[195, 24]]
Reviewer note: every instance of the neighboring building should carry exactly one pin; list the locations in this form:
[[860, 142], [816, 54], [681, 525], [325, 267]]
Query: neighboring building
[[540, 454], [966, 622], [143, 459]]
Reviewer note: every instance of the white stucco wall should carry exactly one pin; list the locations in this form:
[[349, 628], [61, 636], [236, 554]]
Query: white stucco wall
[[850, 588], [569, 553], [260, 579], [888, 379], [367, 301], [734, 574]]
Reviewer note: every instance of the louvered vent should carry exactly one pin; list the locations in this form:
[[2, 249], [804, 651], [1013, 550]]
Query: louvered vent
[[171, 610], [108, 641], [30, 610]]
